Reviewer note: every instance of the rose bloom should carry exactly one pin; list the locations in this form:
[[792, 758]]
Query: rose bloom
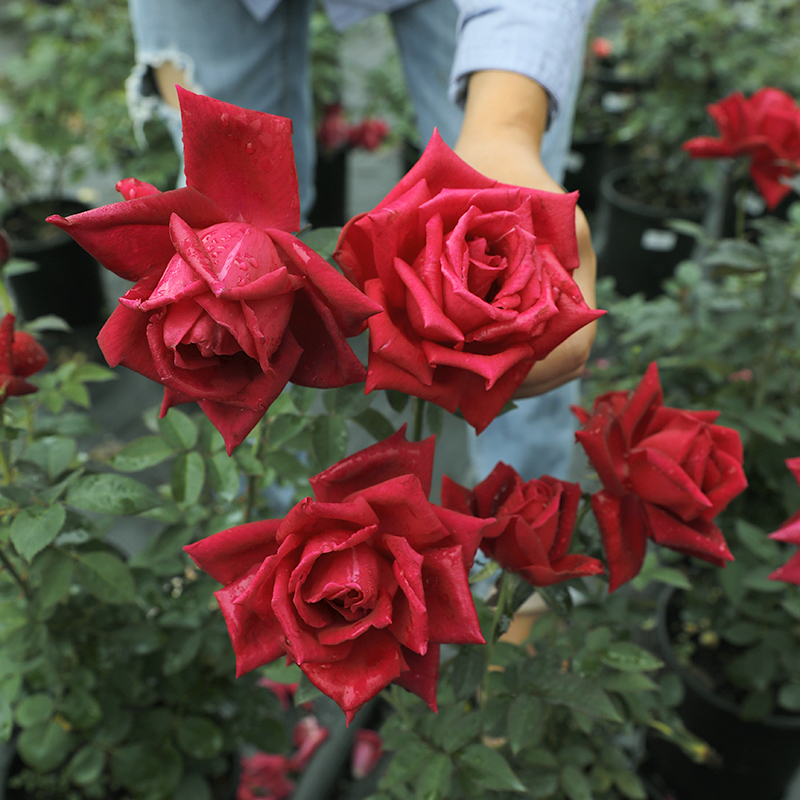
[[666, 474], [359, 586], [20, 357], [264, 777], [228, 305], [765, 127], [474, 279], [790, 532], [533, 524]]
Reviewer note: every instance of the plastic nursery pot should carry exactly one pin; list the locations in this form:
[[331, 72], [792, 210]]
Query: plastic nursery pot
[[635, 243], [66, 281], [590, 157], [756, 759]]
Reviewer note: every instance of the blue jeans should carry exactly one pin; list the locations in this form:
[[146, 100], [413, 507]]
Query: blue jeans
[[225, 53]]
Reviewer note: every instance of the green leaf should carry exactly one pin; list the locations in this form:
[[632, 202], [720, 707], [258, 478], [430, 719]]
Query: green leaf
[[187, 478], [434, 781], [321, 240], [629, 657], [89, 372], [434, 417], [81, 709], [488, 769], [55, 578], [468, 670], [397, 400], [44, 746], [306, 692], [630, 785], [178, 429], [193, 787], [741, 633], [86, 766], [199, 737], [142, 454], [35, 528], [757, 542], [285, 427], [575, 784], [111, 494], [623, 682], [577, 693], [52, 454], [466, 729], [77, 393], [375, 424], [6, 719], [330, 439], [147, 769], [224, 476], [181, 651], [106, 576], [36, 709], [525, 722], [303, 397], [281, 672]]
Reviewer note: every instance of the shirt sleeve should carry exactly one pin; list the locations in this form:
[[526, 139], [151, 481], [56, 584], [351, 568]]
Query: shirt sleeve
[[536, 38]]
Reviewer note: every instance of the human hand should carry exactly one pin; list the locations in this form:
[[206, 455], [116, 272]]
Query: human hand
[[504, 122]]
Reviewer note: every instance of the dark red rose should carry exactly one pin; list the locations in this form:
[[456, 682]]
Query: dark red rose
[[20, 357], [264, 777], [533, 524], [359, 586], [369, 133], [228, 305], [790, 532], [766, 128], [666, 474], [474, 279]]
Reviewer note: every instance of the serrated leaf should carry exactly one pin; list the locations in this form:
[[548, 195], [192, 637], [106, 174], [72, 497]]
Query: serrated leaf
[[488, 769], [89, 372], [285, 427], [375, 424], [106, 576], [468, 670], [35, 528], [330, 439], [525, 722], [111, 494], [577, 693], [52, 454], [143, 453], [178, 429], [434, 781], [224, 476], [629, 657], [187, 478], [77, 393], [56, 579]]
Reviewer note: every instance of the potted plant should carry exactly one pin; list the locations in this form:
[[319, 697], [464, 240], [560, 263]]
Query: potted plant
[[691, 56], [65, 101], [728, 320]]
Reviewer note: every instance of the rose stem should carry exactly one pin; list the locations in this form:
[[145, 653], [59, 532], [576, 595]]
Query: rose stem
[[15, 575], [419, 418]]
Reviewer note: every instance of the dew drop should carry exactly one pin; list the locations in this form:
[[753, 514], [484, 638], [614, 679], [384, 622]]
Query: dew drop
[[224, 119], [250, 147]]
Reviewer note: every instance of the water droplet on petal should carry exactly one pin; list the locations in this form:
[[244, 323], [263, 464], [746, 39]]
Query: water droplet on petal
[[250, 147], [224, 119]]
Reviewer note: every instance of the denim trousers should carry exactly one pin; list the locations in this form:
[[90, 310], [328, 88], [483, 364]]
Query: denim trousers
[[227, 54]]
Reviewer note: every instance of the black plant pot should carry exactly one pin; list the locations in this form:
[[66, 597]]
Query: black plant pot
[[635, 243], [330, 180], [66, 281], [590, 157], [756, 759]]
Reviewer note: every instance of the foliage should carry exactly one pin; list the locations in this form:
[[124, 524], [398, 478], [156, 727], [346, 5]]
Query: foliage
[[730, 322], [65, 97]]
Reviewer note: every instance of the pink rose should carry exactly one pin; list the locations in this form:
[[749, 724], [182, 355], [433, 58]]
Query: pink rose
[[666, 474], [765, 127], [366, 753], [359, 586], [307, 736], [533, 524], [790, 532], [264, 777], [474, 279], [228, 305]]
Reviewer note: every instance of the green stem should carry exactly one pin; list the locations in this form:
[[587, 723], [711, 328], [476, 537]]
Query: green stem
[[15, 575], [507, 587], [5, 298], [419, 418], [4, 469]]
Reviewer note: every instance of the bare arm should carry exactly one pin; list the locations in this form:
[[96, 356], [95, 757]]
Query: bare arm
[[504, 122]]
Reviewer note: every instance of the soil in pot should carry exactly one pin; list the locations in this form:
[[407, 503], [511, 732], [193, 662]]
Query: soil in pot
[[66, 281], [754, 759], [635, 243]]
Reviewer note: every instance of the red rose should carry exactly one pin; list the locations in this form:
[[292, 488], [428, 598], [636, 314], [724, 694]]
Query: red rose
[[228, 306], [360, 586], [264, 777], [20, 357], [307, 736], [790, 532], [766, 128], [474, 278], [533, 524], [366, 753], [667, 473], [369, 133]]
